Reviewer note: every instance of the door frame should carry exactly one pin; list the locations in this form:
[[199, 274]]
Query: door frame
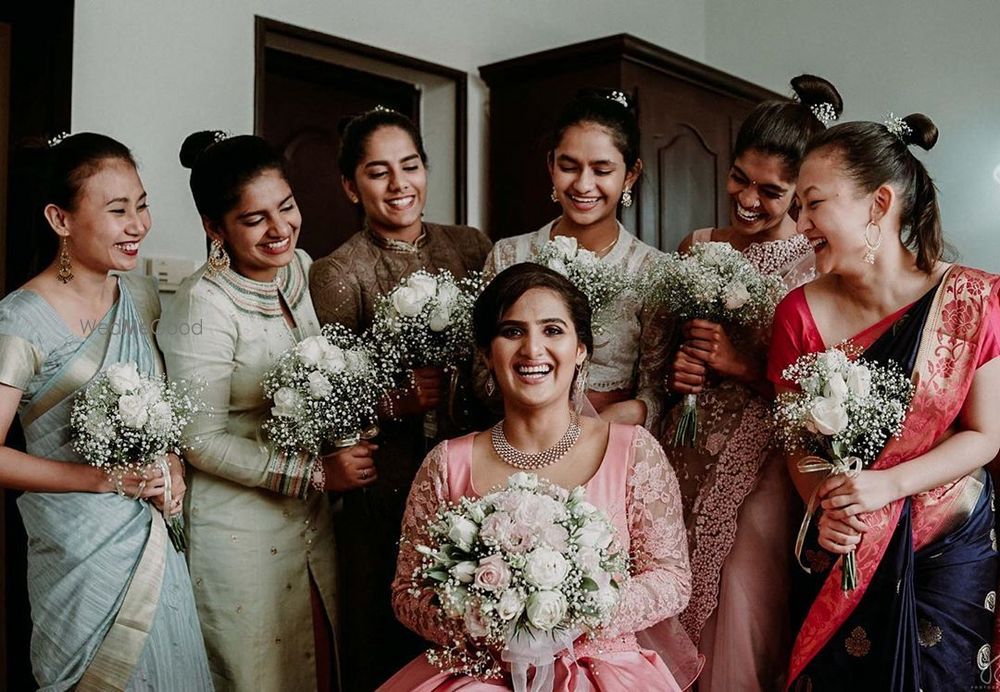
[[266, 30]]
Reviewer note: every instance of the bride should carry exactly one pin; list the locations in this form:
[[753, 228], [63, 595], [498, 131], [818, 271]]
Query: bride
[[533, 327]]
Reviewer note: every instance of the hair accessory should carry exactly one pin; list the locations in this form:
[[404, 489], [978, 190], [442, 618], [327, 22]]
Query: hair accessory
[[872, 245], [898, 127], [218, 258], [382, 109], [220, 136], [626, 198], [619, 97], [530, 462], [53, 141], [824, 112], [65, 268]]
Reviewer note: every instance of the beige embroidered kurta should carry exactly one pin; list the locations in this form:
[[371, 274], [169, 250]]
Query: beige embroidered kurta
[[345, 287], [256, 530]]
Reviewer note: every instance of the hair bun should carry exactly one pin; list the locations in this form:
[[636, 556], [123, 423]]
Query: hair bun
[[196, 144], [812, 91], [923, 132]]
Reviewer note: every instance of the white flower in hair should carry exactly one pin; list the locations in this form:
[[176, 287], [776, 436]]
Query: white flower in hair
[[897, 126]]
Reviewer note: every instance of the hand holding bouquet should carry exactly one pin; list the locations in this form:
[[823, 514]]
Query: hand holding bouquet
[[602, 283], [123, 421], [426, 321], [716, 282], [523, 570], [845, 411], [325, 389]]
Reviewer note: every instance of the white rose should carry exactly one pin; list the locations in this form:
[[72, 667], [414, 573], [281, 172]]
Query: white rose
[[464, 571], [735, 295], [606, 598], [286, 400], [586, 257], [557, 265], [319, 386], [545, 568], [311, 350], [526, 481], [589, 560], [595, 534], [408, 302], [565, 246], [714, 253], [123, 377], [447, 294], [829, 415], [833, 360], [425, 286], [149, 392], [160, 416], [859, 380], [132, 411], [835, 388], [440, 320], [546, 609], [462, 532], [556, 536], [510, 604], [334, 359]]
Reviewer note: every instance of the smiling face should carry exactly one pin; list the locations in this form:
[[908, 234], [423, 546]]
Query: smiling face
[[589, 174], [390, 182], [260, 232], [536, 351], [834, 213], [109, 219], [759, 192]]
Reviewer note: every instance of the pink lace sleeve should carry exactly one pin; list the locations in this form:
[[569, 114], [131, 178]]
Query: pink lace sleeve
[[428, 492], [661, 583]]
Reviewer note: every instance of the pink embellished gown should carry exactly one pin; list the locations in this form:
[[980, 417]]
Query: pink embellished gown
[[738, 504], [637, 488]]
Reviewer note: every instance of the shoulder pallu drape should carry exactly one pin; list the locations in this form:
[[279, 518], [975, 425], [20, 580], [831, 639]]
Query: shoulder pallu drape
[[943, 369], [96, 562]]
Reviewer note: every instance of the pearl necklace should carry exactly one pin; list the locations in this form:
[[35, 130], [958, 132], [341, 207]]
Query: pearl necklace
[[531, 462]]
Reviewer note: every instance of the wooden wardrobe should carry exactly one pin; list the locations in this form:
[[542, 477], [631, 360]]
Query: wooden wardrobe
[[688, 117]]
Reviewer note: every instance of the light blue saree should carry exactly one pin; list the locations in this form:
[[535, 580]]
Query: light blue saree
[[111, 601]]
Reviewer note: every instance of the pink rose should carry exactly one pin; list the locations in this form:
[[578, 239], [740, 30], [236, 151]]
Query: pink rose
[[520, 539], [493, 574]]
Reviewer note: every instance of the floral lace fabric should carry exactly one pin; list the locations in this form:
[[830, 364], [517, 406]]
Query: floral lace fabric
[[646, 512], [734, 432]]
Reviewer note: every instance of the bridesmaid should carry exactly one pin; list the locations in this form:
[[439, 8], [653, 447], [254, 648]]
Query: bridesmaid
[[737, 498], [383, 163], [111, 601], [260, 527], [594, 164]]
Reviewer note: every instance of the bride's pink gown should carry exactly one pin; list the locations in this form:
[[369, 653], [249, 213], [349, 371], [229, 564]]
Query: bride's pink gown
[[637, 488]]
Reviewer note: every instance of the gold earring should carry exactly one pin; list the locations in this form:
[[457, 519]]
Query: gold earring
[[65, 268], [872, 245], [218, 258], [554, 196]]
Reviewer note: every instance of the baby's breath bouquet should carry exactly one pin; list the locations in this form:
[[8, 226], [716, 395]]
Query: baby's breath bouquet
[[844, 411], [426, 321], [601, 282], [716, 282], [325, 389], [123, 421], [521, 572]]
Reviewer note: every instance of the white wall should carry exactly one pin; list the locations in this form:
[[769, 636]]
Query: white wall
[[905, 56], [149, 72]]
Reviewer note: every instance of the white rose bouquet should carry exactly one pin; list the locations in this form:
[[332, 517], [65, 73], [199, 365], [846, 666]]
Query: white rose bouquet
[[521, 571], [602, 283], [325, 389], [123, 421], [426, 321], [844, 411], [716, 282]]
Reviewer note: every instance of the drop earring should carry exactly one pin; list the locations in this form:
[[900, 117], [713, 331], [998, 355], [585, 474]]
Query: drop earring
[[872, 245], [554, 196], [627, 198], [491, 385], [65, 267], [218, 258], [580, 386]]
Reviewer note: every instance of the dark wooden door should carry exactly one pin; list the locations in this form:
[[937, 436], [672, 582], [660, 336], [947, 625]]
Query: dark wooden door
[[304, 102]]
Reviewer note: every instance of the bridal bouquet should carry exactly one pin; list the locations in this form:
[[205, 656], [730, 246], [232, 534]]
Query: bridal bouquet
[[426, 321], [602, 283], [523, 570], [845, 411], [716, 282], [325, 389], [123, 421]]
